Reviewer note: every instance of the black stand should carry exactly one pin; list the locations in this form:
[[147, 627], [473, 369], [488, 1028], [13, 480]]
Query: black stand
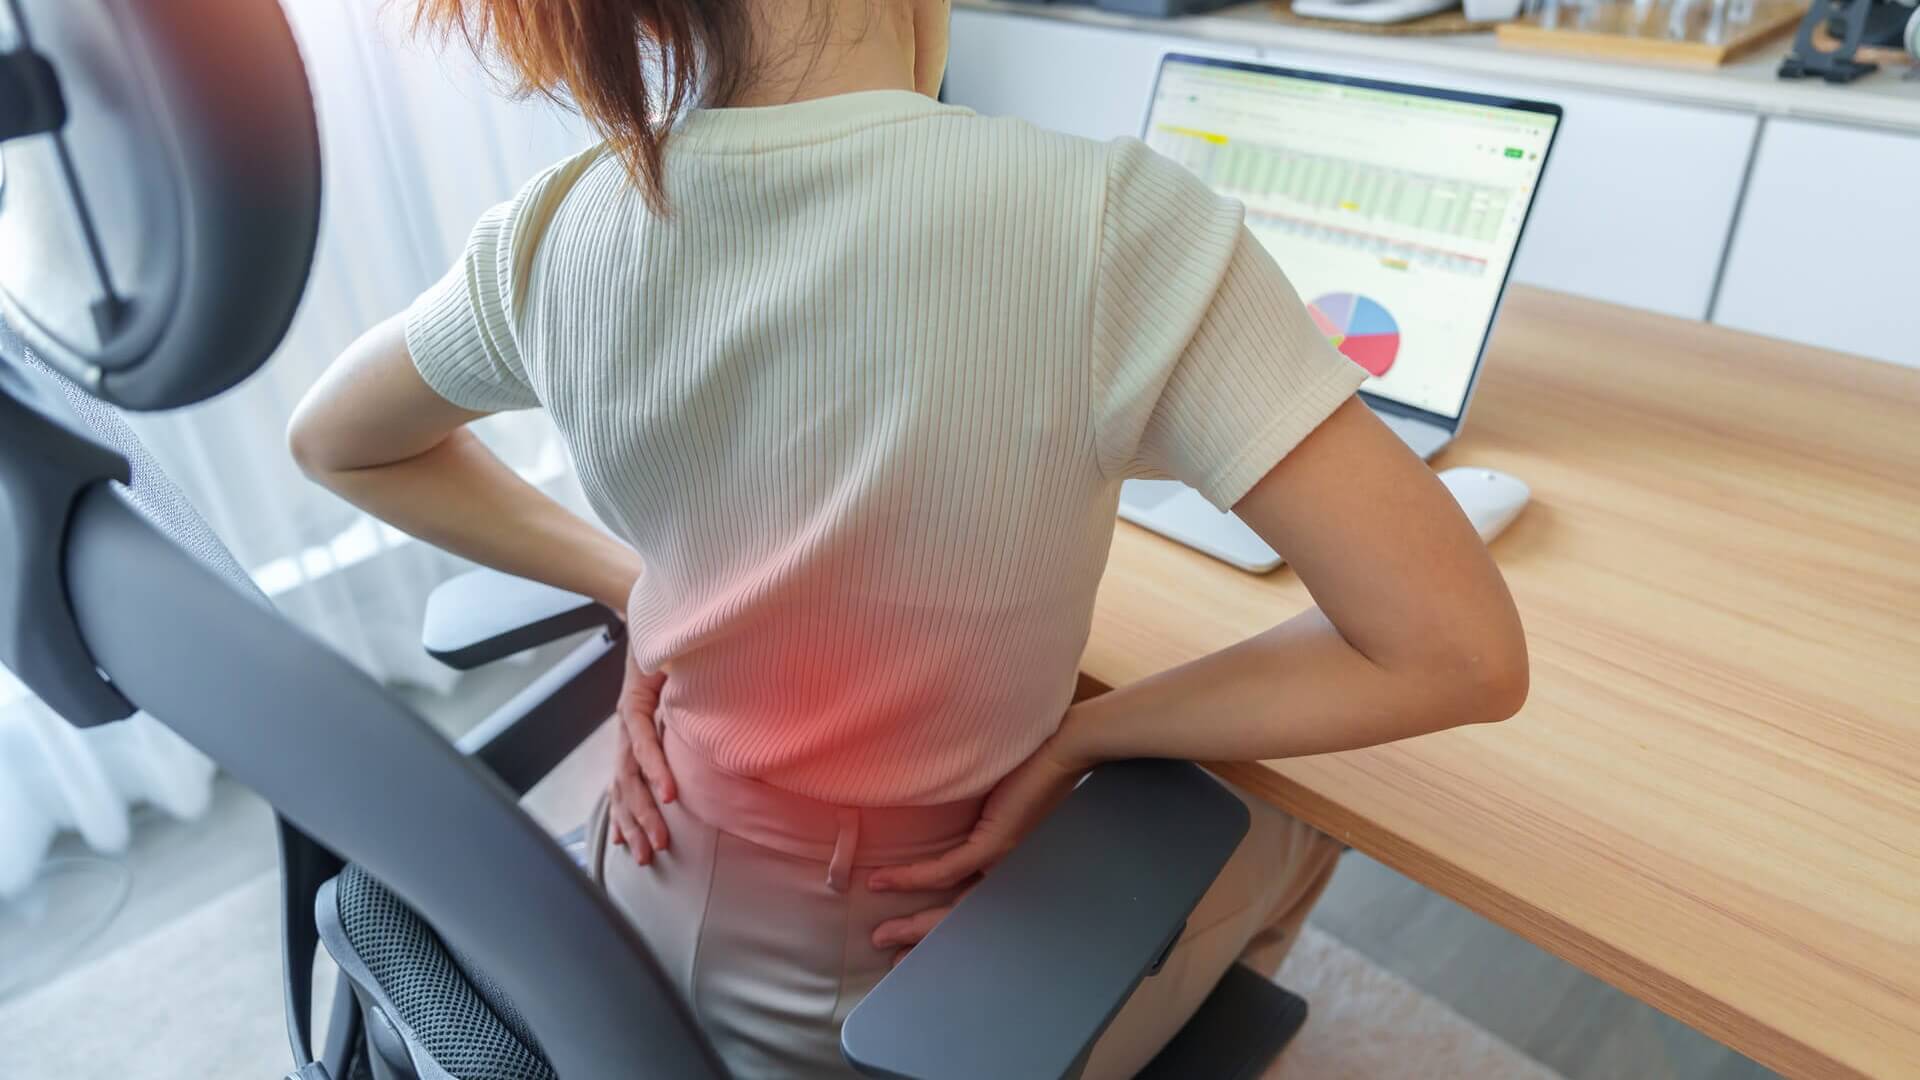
[[1839, 65]]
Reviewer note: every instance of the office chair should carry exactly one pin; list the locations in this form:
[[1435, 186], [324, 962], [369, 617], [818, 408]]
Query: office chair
[[158, 211]]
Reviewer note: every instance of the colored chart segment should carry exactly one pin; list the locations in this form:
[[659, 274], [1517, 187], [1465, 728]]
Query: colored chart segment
[[1360, 328]]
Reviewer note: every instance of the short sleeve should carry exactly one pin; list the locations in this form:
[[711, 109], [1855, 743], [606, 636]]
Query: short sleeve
[[1206, 366], [460, 331]]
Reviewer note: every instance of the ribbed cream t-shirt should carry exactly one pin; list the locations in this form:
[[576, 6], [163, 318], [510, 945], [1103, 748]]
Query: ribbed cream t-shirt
[[862, 403]]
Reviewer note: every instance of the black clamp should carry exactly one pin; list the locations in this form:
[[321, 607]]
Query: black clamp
[[47, 460], [30, 99]]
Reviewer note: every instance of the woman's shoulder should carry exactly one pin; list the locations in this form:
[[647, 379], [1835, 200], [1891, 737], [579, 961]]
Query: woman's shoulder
[[541, 197], [1119, 167], [973, 131]]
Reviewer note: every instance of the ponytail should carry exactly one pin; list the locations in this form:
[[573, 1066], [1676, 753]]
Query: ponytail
[[628, 66]]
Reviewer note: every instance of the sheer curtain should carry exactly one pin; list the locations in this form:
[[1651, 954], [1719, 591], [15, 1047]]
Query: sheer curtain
[[416, 144]]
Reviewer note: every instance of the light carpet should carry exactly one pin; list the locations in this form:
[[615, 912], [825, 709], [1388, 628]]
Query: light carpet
[[200, 999]]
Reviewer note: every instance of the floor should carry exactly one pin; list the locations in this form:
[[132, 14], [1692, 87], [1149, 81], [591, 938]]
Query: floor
[[234, 842], [1565, 1019], [1557, 1014]]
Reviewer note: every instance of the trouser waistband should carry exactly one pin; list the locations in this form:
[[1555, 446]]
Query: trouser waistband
[[842, 837]]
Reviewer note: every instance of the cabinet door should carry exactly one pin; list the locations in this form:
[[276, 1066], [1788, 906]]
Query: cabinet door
[[1825, 249], [1083, 80]]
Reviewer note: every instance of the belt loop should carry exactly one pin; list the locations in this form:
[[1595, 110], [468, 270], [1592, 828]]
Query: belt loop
[[840, 869]]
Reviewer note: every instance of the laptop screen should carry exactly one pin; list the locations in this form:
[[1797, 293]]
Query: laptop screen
[[1395, 210]]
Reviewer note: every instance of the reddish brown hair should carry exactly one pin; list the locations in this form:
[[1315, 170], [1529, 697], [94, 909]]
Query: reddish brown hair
[[596, 56]]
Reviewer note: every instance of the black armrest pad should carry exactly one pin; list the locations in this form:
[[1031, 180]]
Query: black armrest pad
[[484, 615], [1027, 971]]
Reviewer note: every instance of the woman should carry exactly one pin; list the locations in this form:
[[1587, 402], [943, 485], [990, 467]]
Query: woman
[[854, 378]]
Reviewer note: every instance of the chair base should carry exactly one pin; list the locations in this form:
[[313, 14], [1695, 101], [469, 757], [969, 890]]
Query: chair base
[[1237, 1032]]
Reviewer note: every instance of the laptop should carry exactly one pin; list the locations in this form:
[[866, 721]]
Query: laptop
[[1395, 210]]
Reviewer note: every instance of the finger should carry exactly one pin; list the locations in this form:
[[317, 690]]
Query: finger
[[899, 956], [950, 869], [910, 930], [639, 804], [654, 824], [640, 819], [639, 704], [634, 838], [640, 693], [652, 760]]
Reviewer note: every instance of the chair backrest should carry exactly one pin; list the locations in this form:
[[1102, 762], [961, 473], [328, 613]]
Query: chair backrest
[[114, 595], [178, 628]]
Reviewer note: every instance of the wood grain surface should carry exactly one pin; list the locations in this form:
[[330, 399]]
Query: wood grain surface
[[1614, 33], [1712, 797]]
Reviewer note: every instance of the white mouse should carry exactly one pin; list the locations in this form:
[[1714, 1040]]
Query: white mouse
[[1491, 499]]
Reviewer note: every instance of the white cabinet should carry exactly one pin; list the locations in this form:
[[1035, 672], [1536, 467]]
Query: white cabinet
[[1637, 202], [1825, 252], [1083, 80], [1635, 207]]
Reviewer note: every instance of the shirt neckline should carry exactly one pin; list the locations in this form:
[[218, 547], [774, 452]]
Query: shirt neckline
[[763, 127]]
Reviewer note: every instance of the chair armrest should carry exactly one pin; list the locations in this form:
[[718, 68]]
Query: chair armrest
[[1027, 971], [484, 615], [524, 739]]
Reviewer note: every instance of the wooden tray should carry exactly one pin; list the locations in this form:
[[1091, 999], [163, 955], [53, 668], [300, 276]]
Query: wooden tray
[[1609, 32]]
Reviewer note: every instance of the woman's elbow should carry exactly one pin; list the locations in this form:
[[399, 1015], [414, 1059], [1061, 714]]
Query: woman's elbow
[[306, 445], [1477, 678], [1503, 683], [1494, 679], [314, 443]]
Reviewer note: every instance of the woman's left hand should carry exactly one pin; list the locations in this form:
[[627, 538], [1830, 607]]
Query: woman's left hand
[[1022, 799], [642, 782]]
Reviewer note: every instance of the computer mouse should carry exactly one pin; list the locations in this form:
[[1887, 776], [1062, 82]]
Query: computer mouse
[[1491, 499]]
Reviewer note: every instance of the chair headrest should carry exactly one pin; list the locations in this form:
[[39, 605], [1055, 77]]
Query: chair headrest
[[159, 191]]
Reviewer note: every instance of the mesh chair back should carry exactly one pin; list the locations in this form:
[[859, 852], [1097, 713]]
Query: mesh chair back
[[152, 492]]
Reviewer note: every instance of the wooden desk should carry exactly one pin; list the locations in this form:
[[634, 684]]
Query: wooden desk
[[1712, 797]]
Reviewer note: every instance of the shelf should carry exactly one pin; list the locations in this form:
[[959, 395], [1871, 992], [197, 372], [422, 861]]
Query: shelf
[[1881, 100]]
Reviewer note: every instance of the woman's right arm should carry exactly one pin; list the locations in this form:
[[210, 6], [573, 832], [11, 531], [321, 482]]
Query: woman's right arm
[[1414, 630]]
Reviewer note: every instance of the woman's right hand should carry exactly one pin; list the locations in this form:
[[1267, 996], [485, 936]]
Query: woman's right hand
[[642, 783], [1019, 802]]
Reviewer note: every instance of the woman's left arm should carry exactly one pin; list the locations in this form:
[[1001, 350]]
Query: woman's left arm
[[377, 435]]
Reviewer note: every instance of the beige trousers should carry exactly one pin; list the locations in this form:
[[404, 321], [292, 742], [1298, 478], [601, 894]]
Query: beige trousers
[[759, 913]]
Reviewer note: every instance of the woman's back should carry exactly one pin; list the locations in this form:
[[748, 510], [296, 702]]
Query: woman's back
[[857, 379], [862, 402]]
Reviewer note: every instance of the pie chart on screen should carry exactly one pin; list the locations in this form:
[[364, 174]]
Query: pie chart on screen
[[1360, 328]]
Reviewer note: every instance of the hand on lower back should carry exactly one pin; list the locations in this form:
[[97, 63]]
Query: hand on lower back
[[641, 781], [1022, 799]]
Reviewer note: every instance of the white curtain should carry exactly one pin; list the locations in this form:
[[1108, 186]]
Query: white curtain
[[416, 144]]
